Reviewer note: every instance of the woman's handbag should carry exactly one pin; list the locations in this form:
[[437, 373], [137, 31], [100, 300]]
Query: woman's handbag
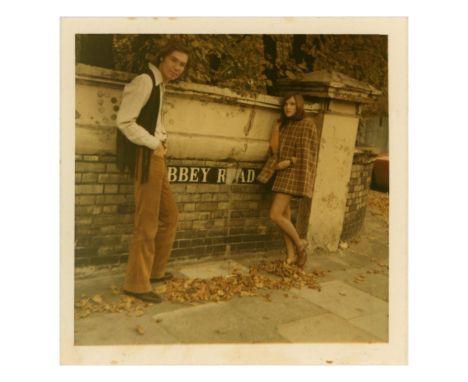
[[273, 165], [268, 169]]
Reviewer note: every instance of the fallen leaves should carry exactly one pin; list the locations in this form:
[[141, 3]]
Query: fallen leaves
[[378, 203], [139, 312], [359, 279], [258, 278], [115, 291], [382, 265], [97, 304], [382, 268], [343, 245], [258, 281], [160, 288]]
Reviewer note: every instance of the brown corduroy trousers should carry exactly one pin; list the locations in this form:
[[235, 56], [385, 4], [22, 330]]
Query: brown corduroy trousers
[[154, 228]]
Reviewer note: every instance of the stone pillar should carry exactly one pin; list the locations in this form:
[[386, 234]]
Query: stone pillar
[[340, 98]]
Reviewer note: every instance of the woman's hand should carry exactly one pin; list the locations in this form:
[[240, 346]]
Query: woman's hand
[[286, 163], [283, 164]]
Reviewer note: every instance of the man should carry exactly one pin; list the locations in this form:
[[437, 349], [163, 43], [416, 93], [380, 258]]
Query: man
[[141, 148]]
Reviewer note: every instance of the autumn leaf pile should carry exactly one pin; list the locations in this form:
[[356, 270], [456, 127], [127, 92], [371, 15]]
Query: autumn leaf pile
[[261, 278], [378, 203], [96, 304], [224, 288]]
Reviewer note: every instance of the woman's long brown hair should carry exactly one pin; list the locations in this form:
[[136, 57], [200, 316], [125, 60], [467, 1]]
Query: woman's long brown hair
[[299, 114]]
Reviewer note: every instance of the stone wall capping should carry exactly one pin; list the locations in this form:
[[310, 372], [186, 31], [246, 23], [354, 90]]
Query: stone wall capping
[[88, 73], [330, 84]]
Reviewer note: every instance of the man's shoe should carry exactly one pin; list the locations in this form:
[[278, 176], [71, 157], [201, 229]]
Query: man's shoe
[[147, 297], [167, 276]]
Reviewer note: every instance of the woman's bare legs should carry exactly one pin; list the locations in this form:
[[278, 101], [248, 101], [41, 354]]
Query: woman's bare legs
[[280, 214], [290, 249]]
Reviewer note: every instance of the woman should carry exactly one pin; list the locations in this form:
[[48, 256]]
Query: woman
[[294, 145]]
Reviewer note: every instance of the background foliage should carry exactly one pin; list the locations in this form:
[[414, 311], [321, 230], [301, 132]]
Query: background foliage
[[249, 63]]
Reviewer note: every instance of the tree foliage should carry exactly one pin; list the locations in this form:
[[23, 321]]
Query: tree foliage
[[250, 63], [363, 57], [232, 61]]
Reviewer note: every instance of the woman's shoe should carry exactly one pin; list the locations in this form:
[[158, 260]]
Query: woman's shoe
[[302, 254]]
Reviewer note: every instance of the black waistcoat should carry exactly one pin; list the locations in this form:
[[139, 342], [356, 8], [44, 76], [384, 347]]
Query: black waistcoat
[[127, 151]]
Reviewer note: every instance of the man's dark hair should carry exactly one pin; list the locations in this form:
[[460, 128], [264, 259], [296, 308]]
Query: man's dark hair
[[170, 47]]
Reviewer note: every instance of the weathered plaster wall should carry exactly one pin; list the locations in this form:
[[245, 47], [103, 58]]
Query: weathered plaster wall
[[333, 172]]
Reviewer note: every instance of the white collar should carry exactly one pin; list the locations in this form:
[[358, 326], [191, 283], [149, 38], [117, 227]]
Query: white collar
[[157, 74]]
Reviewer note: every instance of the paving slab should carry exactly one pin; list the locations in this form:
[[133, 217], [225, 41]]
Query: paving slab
[[374, 244], [324, 328], [343, 300], [207, 270], [373, 284], [376, 324], [100, 285], [248, 261], [280, 307], [215, 323], [355, 260], [120, 329], [322, 262]]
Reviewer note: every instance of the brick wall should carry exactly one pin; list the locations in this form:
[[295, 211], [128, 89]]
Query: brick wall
[[358, 189], [102, 214], [214, 219]]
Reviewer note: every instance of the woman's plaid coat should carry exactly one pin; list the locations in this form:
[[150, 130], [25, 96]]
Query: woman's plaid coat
[[298, 139]]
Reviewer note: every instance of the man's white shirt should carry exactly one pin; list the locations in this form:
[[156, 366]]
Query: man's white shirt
[[135, 96]]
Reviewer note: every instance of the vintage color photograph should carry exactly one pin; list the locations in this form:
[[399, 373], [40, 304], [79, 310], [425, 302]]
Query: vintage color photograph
[[229, 189]]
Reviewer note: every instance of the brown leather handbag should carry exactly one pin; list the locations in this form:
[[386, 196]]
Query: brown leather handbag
[[268, 169]]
